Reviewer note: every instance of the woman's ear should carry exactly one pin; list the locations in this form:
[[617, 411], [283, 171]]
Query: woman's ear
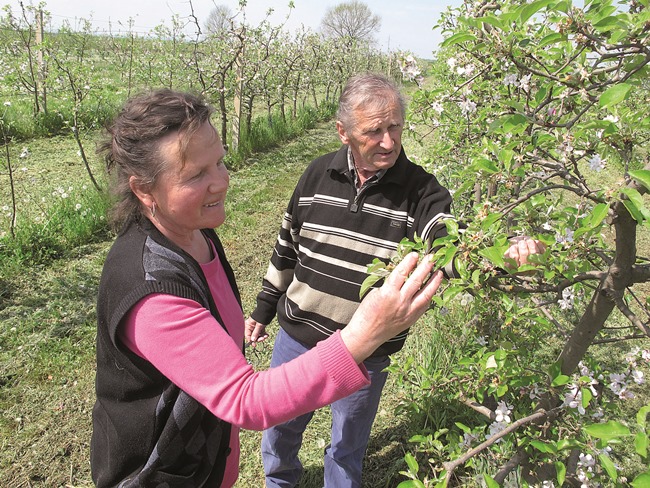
[[141, 191]]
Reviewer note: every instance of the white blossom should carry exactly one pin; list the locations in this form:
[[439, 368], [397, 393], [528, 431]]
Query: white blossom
[[510, 79], [437, 106], [618, 385], [468, 439], [7, 103], [573, 399], [596, 163], [637, 376], [568, 298], [566, 238], [503, 411], [586, 461], [495, 428], [467, 107], [524, 83]]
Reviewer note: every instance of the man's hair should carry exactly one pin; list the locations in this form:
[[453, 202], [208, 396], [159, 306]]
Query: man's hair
[[368, 90], [133, 142]]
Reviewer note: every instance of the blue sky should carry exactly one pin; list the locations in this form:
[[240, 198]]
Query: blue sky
[[406, 25]]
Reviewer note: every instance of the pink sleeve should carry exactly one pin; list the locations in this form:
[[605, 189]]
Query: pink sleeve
[[186, 344]]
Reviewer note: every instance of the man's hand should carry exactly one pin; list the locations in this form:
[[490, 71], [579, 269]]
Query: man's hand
[[254, 331], [523, 247]]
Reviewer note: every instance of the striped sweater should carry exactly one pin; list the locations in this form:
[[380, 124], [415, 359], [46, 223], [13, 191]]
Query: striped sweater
[[330, 234]]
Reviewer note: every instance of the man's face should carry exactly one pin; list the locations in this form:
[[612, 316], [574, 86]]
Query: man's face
[[375, 137]]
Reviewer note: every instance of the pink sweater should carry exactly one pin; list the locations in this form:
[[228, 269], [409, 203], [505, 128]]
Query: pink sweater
[[186, 344]]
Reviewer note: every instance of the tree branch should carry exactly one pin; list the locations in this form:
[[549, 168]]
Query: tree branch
[[539, 415]]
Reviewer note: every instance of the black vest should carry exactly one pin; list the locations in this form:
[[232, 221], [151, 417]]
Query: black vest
[[146, 431]]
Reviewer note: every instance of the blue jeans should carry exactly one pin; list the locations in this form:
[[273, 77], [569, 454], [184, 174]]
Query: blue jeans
[[352, 419]]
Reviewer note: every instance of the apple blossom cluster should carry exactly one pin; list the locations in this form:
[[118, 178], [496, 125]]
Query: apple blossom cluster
[[567, 301], [501, 420], [513, 80], [619, 384], [585, 470], [410, 70]]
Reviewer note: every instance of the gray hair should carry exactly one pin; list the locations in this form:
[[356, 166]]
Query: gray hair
[[132, 145], [368, 90]]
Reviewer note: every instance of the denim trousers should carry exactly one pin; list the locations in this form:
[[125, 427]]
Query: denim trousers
[[352, 419]]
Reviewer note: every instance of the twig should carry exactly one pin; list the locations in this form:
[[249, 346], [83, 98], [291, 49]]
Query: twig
[[631, 316]]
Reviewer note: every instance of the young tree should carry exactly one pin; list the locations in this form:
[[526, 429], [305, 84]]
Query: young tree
[[534, 102], [352, 22]]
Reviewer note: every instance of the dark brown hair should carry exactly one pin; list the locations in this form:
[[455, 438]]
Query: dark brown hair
[[132, 145]]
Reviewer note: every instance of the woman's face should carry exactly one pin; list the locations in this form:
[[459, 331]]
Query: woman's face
[[191, 196]]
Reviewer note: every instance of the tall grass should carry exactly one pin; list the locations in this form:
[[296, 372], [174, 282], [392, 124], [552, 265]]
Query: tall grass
[[74, 217]]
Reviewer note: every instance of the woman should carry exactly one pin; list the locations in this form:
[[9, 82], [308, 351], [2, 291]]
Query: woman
[[173, 386]]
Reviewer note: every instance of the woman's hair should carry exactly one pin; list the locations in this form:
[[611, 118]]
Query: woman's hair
[[368, 90], [132, 144]]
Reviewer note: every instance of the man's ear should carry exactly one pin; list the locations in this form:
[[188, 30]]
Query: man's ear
[[342, 132], [141, 191]]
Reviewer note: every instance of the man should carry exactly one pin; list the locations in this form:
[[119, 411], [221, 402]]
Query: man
[[349, 207]]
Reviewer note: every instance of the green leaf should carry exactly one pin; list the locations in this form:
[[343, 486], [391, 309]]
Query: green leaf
[[641, 444], [411, 462], [490, 220], [635, 211], [597, 215], [367, 284], [614, 95], [484, 164], [642, 177], [544, 447], [489, 481], [463, 427], [606, 24], [560, 471], [608, 430], [641, 481], [458, 38], [586, 397], [608, 466], [560, 380], [494, 254], [513, 124], [411, 484], [550, 39], [529, 10]]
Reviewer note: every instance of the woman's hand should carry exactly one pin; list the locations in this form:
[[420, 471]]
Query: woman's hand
[[254, 331], [393, 308]]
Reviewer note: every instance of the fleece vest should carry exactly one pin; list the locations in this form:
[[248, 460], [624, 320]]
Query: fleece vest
[[146, 430]]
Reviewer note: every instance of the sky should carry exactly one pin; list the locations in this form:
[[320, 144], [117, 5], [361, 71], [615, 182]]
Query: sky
[[406, 25]]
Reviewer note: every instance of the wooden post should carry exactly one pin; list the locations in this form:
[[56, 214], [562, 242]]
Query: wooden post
[[239, 89], [40, 60]]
